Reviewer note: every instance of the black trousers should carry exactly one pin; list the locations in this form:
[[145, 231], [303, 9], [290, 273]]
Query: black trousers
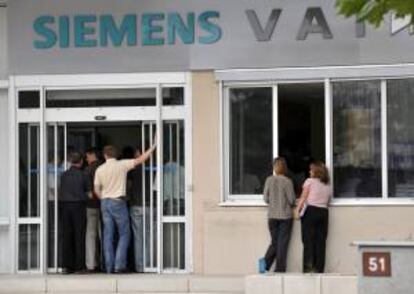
[[73, 216], [280, 230], [314, 233]]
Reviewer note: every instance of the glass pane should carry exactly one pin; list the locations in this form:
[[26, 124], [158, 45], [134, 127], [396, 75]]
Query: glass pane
[[23, 171], [101, 98], [174, 169], [29, 192], [23, 247], [357, 139], [250, 139], [174, 245], [29, 99], [55, 167], [29, 249], [173, 96], [301, 128], [400, 103], [150, 198], [34, 171]]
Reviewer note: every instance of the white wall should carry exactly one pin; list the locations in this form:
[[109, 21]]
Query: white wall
[[3, 41], [5, 251]]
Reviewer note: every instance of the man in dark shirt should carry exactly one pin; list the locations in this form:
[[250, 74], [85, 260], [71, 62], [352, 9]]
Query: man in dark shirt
[[93, 216], [73, 196]]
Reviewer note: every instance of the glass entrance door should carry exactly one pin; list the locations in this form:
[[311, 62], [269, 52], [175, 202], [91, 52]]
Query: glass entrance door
[[162, 228], [78, 114]]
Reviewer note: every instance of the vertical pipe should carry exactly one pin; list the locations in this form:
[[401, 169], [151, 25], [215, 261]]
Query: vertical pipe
[[14, 169], [43, 225], [29, 174], [55, 196], [151, 200], [275, 125], [329, 130], [65, 144], [144, 211], [384, 134], [177, 177], [178, 190], [160, 176], [170, 160], [170, 184]]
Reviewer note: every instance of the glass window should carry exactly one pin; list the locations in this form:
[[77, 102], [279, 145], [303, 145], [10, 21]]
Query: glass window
[[357, 139], [29, 251], [174, 245], [101, 98], [173, 168], [250, 139], [400, 103], [173, 96], [29, 99], [29, 180]]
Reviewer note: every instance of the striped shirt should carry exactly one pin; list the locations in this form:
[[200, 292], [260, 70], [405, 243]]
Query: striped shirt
[[279, 194]]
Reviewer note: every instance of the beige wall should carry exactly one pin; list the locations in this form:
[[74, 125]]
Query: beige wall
[[229, 240]]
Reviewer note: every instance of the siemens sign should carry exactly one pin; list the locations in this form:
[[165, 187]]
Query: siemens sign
[[82, 31], [165, 28]]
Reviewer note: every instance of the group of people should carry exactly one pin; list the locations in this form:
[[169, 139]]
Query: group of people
[[312, 209], [98, 195]]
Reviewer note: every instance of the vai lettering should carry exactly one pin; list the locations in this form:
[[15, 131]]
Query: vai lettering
[[314, 22]]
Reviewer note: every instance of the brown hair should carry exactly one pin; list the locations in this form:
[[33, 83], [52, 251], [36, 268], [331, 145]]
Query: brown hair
[[320, 171], [75, 158], [279, 166], [110, 151]]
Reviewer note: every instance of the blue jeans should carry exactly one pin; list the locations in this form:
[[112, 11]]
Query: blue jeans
[[115, 217], [137, 223]]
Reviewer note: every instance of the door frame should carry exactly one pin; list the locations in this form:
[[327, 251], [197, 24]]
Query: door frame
[[159, 113]]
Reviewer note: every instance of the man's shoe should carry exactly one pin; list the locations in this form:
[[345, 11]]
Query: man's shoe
[[67, 271]]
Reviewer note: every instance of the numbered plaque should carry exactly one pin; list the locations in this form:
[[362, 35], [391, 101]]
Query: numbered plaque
[[376, 264]]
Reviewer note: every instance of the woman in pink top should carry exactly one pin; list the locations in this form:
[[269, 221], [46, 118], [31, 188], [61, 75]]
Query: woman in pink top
[[313, 206]]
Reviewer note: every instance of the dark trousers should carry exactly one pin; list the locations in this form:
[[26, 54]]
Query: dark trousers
[[314, 233], [280, 230], [73, 230]]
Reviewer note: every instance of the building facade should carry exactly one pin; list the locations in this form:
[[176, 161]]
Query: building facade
[[230, 85]]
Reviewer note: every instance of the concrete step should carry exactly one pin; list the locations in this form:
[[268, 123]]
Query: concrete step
[[128, 283], [301, 284], [179, 284]]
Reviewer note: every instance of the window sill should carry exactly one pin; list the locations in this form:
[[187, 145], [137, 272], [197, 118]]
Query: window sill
[[351, 202], [372, 202], [243, 203]]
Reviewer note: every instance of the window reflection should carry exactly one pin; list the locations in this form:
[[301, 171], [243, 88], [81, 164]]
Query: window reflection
[[357, 139], [250, 139], [400, 95]]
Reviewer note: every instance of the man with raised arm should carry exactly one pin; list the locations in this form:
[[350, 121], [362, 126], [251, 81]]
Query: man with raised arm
[[110, 186]]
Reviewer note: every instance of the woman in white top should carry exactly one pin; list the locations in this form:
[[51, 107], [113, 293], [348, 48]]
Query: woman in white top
[[313, 206]]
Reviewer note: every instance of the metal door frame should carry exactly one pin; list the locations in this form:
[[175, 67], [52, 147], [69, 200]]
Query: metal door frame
[[159, 114]]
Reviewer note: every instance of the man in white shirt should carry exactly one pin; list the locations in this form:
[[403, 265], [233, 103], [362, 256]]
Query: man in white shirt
[[110, 186]]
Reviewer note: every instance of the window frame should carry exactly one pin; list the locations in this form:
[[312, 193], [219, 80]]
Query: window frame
[[367, 73]]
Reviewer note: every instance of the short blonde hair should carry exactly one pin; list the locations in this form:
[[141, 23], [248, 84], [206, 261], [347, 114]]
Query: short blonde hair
[[279, 166]]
